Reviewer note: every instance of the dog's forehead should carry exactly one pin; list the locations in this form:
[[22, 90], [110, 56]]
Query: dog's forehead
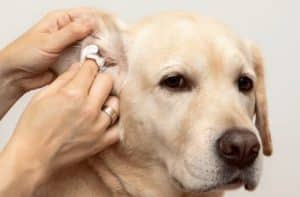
[[194, 40]]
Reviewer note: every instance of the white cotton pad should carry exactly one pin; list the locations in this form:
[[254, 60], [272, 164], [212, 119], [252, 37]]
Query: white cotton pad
[[92, 52]]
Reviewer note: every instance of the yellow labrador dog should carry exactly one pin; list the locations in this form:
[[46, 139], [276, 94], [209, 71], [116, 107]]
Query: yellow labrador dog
[[193, 104]]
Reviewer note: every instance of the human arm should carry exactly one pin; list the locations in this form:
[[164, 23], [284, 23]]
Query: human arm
[[25, 63], [63, 124]]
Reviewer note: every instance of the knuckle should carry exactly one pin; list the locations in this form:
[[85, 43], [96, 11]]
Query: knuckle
[[113, 99], [72, 94], [76, 29], [89, 112]]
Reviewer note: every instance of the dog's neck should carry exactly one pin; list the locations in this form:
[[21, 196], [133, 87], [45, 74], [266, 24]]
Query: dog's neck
[[127, 175]]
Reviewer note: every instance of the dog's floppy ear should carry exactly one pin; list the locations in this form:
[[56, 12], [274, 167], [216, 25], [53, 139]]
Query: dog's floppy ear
[[261, 111], [109, 38]]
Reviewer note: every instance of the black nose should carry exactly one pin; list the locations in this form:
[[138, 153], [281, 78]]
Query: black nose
[[238, 147]]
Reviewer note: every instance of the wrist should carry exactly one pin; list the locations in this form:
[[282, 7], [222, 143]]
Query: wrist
[[6, 68], [10, 90], [10, 76]]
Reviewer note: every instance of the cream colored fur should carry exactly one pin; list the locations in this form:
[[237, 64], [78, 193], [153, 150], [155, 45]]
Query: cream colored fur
[[167, 146]]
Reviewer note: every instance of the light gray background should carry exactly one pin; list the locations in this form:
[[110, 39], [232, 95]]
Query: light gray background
[[274, 25]]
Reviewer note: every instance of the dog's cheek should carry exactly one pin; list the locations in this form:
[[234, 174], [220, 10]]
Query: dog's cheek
[[248, 103], [136, 125]]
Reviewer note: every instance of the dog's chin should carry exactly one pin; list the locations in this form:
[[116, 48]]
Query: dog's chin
[[235, 183]]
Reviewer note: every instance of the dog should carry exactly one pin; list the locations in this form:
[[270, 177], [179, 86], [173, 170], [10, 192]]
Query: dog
[[193, 111]]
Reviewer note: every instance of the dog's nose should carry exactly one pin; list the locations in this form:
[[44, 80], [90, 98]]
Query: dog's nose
[[238, 147]]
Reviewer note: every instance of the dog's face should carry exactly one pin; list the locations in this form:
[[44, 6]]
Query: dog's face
[[189, 100]]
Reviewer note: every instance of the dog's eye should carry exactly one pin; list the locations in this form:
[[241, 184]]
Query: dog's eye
[[174, 82], [245, 84]]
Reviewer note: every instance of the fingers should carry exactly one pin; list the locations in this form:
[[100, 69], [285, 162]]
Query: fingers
[[84, 77], [100, 90], [66, 27], [110, 137], [63, 20], [104, 119], [72, 32]]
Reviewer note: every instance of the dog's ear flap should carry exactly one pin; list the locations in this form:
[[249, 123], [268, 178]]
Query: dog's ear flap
[[109, 38], [261, 111]]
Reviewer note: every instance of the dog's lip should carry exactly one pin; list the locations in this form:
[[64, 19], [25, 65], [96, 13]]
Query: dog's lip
[[178, 183], [237, 182], [232, 184], [249, 187]]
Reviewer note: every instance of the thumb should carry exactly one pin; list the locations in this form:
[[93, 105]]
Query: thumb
[[72, 32], [37, 81]]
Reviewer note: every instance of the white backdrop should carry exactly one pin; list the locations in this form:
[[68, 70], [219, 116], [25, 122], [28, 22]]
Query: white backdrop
[[274, 25]]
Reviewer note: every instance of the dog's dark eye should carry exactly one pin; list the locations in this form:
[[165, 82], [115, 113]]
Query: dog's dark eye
[[245, 84], [174, 82]]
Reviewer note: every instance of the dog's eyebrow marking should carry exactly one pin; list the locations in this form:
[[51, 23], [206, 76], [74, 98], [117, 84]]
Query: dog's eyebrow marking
[[250, 75], [242, 65], [169, 66], [177, 62], [172, 63], [246, 69], [176, 66]]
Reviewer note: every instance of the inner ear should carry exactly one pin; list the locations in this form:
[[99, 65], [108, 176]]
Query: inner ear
[[111, 49]]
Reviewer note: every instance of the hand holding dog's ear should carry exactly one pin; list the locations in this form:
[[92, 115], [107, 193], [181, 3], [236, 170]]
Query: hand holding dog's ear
[[64, 123], [29, 57]]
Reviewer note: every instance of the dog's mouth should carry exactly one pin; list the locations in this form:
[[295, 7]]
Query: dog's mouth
[[234, 183], [238, 182]]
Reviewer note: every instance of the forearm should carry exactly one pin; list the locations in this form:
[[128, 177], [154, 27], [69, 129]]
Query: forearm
[[18, 178], [9, 91]]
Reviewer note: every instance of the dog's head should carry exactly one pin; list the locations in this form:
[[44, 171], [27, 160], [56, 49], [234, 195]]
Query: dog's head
[[190, 90], [190, 96]]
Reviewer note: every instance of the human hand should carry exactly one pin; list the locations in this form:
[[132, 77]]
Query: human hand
[[29, 57], [64, 123]]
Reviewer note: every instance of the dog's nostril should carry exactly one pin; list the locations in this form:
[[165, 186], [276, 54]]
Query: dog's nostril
[[255, 148], [228, 149], [238, 147]]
